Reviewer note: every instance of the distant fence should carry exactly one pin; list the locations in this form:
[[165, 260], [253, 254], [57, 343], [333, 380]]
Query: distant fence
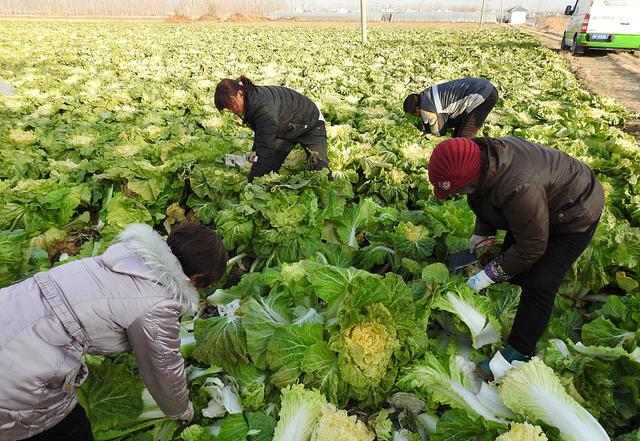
[[222, 9], [138, 8]]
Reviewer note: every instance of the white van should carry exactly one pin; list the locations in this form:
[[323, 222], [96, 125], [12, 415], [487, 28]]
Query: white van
[[602, 24]]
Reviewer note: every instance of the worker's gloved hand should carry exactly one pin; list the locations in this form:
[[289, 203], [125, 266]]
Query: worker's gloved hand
[[479, 281], [476, 242], [494, 369], [187, 415]]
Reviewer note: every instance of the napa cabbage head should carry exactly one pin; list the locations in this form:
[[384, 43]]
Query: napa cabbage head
[[337, 425], [299, 413], [534, 391], [474, 311], [453, 383], [22, 138], [523, 432], [365, 345]]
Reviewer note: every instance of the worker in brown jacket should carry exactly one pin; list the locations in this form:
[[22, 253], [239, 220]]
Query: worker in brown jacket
[[549, 204]]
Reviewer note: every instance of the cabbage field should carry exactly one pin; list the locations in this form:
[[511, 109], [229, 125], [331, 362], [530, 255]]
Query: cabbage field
[[337, 318]]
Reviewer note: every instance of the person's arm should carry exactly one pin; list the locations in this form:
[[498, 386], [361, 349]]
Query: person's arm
[[154, 338], [527, 214], [484, 229], [265, 130], [430, 119]]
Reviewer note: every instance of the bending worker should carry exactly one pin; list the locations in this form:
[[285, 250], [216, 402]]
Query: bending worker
[[281, 118], [549, 204], [128, 299], [461, 105]]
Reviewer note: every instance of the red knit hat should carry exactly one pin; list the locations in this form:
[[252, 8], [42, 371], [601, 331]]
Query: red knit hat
[[454, 164]]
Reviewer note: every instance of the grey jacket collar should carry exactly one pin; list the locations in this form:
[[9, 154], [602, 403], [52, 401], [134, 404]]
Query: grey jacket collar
[[143, 253]]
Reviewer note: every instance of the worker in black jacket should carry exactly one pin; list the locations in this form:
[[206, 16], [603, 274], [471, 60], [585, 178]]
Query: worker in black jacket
[[280, 118], [461, 105]]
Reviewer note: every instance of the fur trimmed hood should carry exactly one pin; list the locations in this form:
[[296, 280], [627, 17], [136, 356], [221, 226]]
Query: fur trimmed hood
[[143, 253]]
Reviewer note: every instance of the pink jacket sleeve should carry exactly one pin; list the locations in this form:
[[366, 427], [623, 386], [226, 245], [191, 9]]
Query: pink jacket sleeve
[[154, 338]]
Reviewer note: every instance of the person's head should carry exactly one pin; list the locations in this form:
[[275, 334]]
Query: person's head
[[230, 94], [200, 251], [454, 167], [411, 104]]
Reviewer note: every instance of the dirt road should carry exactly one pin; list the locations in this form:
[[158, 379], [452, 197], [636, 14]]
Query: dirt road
[[604, 73]]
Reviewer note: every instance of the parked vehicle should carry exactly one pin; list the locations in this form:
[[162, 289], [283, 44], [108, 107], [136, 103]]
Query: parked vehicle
[[602, 24]]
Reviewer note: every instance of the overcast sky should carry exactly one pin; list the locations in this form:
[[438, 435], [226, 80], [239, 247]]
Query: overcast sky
[[533, 5]]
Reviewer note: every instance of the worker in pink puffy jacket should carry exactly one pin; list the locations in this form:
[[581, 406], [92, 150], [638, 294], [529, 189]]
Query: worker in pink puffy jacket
[[130, 298]]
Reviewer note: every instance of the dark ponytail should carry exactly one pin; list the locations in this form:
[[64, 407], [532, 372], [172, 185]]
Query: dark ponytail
[[228, 88], [246, 83]]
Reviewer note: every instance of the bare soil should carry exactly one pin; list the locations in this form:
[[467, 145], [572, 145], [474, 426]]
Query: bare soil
[[553, 25], [633, 127]]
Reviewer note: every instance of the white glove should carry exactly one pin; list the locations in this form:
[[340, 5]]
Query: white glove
[[187, 415], [499, 366], [479, 281], [477, 240]]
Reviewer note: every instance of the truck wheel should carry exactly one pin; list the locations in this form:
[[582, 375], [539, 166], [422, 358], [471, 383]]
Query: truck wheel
[[563, 45], [575, 49]]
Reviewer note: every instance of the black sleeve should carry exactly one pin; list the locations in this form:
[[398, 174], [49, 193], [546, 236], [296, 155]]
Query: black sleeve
[[528, 217], [484, 229], [265, 130]]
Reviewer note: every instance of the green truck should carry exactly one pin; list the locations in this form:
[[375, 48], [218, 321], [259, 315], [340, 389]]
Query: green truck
[[602, 24]]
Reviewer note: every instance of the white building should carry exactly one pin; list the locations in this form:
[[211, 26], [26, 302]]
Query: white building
[[517, 15]]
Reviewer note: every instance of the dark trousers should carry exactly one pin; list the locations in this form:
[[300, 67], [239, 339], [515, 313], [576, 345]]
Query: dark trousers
[[468, 124], [74, 427], [540, 285], [314, 143]]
